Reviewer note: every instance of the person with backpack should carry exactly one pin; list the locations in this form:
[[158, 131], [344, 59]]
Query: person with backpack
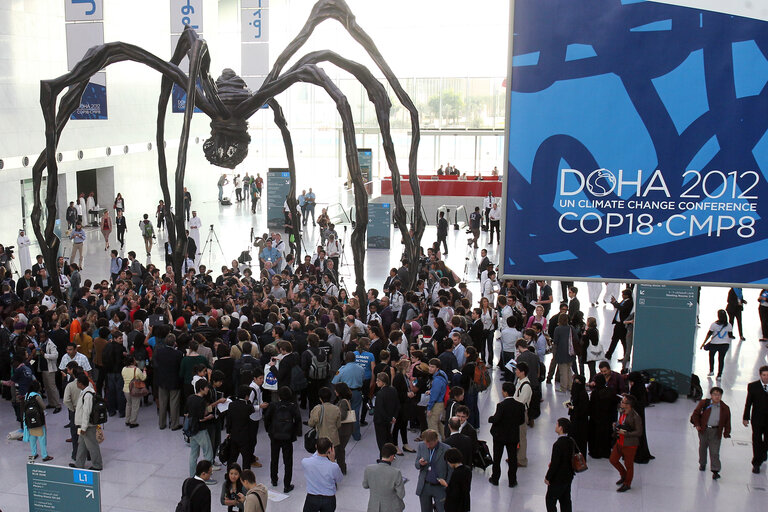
[[437, 389], [282, 421], [87, 423], [195, 495], [317, 368], [134, 390], [34, 423], [238, 425], [147, 233], [22, 378], [256, 493]]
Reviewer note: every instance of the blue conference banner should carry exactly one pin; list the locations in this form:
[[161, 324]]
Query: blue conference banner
[[278, 188], [93, 102], [637, 143], [379, 221]]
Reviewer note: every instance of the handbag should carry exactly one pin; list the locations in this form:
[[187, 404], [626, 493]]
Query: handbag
[[578, 461], [351, 416], [310, 437], [137, 388], [571, 351], [99, 434]]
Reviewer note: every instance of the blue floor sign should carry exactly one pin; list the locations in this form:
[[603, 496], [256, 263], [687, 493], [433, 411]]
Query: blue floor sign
[[53, 488]]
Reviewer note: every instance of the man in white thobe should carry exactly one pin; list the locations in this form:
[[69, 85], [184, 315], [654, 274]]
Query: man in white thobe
[[22, 246], [194, 230]]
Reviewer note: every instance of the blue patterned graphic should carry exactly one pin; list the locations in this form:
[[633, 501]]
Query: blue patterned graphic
[[638, 143], [93, 103]]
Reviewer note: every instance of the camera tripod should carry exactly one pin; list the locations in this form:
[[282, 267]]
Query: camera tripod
[[212, 237]]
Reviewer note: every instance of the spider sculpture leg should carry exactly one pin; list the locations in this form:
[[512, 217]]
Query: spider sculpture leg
[[199, 63], [310, 73], [379, 97], [340, 11], [95, 59], [282, 124]]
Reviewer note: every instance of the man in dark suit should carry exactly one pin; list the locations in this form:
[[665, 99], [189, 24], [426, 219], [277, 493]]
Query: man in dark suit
[[196, 490], [38, 266], [430, 461], [560, 473], [166, 362], [505, 423], [756, 411], [485, 263], [462, 412], [476, 332], [623, 309], [460, 441], [574, 306]]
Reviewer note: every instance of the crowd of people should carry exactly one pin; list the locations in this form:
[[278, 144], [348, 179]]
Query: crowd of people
[[286, 346]]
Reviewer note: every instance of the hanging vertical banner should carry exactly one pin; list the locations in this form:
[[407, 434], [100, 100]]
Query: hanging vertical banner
[[184, 13], [254, 42], [84, 28], [278, 188], [379, 222]]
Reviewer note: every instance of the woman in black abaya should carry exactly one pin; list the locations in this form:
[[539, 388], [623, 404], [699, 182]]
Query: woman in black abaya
[[602, 414], [637, 390]]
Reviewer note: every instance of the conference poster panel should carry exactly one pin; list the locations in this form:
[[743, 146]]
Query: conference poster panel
[[637, 146]]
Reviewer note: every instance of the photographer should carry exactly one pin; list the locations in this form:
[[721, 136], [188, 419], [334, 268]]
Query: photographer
[[6, 255]]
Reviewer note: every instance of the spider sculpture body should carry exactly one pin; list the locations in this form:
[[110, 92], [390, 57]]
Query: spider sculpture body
[[229, 104]]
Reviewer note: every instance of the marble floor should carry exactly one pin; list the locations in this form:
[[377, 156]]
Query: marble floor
[[144, 467]]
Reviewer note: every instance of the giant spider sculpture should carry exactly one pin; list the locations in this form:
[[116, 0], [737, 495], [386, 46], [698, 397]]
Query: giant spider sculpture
[[229, 104]]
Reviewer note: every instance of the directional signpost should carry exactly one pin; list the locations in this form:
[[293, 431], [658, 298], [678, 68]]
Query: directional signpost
[[278, 187], [61, 488], [665, 327], [379, 222]]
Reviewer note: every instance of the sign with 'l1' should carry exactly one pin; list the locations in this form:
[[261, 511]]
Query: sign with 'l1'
[[61, 488]]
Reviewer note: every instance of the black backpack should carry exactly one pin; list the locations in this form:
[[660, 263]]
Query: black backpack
[[99, 414], [298, 380], [246, 369], [695, 392], [33, 414], [282, 428], [185, 503]]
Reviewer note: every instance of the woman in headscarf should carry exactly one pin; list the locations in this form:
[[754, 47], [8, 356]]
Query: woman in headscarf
[[578, 410], [637, 389], [602, 415]]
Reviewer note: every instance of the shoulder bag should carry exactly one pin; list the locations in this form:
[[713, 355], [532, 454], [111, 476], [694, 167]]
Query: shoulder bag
[[578, 461], [310, 437], [137, 388]]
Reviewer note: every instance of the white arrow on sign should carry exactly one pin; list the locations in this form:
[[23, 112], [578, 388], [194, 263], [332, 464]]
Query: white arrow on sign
[[89, 494], [642, 292], [690, 303]]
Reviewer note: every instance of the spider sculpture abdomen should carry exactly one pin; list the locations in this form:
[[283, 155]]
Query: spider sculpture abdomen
[[228, 145]]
